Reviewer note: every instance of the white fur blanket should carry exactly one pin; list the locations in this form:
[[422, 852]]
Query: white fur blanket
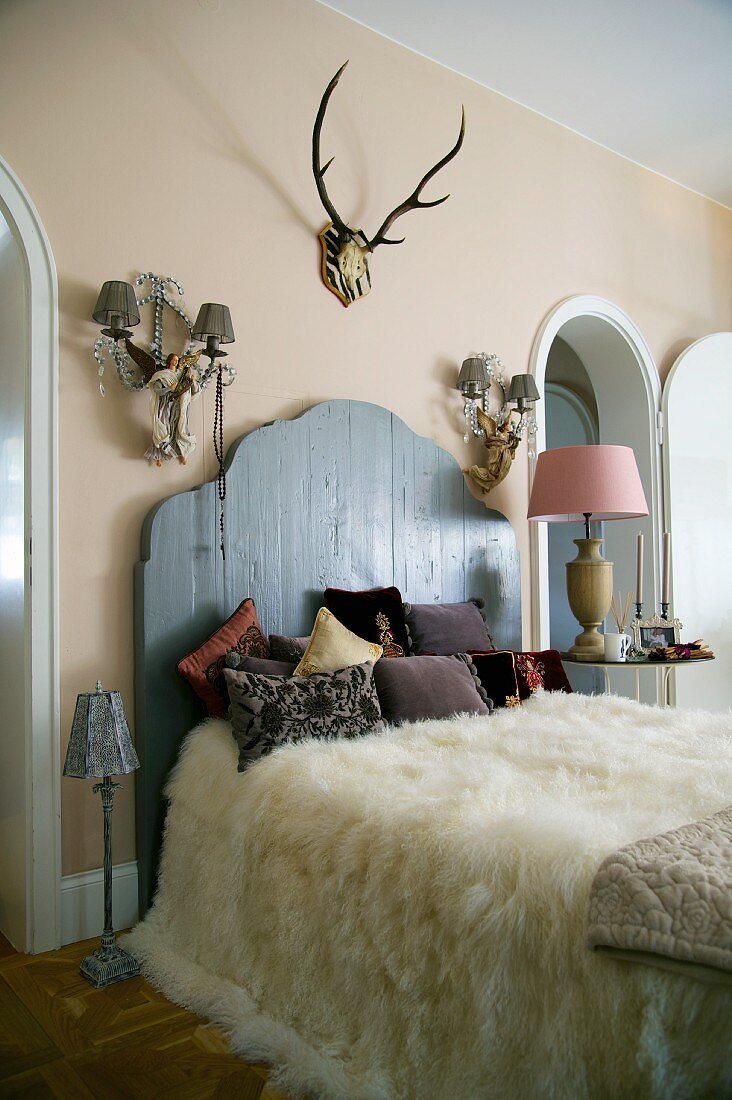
[[403, 917]]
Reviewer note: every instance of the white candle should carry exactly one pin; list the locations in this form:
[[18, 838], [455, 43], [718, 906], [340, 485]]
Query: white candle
[[666, 567], [639, 570]]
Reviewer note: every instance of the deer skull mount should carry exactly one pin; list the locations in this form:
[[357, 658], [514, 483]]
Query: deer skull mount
[[345, 251]]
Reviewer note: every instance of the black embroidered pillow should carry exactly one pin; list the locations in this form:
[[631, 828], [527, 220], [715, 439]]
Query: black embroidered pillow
[[497, 673], [268, 711], [376, 615]]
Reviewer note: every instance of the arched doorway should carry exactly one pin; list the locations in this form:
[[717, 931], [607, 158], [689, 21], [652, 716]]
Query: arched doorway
[[627, 391], [30, 772]]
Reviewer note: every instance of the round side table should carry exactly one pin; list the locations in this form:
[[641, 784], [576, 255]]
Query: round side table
[[667, 666]]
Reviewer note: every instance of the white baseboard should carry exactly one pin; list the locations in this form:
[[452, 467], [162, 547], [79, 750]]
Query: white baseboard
[[82, 902]]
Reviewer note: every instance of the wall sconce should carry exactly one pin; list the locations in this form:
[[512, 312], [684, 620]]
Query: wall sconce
[[500, 435], [175, 379]]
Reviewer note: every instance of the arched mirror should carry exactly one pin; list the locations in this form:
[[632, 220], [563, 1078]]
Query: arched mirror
[[599, 384]]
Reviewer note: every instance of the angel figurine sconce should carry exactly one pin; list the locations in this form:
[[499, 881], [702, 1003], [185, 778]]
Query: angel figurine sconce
[[175, 379], [498, 431]]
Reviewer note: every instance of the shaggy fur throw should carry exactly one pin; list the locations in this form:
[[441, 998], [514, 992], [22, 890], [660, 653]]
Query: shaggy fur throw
[[403, 916]]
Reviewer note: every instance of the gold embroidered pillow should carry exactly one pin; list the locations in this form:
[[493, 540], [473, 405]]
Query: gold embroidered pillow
[[333, 646]]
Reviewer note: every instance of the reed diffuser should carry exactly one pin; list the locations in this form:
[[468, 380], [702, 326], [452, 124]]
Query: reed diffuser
[[620, 620]]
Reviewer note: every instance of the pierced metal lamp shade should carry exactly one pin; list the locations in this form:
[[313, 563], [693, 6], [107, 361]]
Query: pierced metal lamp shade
[[213, 320], [100, 742], [473, 378], [523, 390], [117, 300]]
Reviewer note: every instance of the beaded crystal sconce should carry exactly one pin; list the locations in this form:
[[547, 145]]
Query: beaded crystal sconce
[[174, 379]]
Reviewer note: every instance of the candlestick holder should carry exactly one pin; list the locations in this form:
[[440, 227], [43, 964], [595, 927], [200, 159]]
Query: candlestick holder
[[638, 610], [664, 610]]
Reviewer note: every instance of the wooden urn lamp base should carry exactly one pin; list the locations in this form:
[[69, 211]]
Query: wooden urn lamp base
[[590, 590]]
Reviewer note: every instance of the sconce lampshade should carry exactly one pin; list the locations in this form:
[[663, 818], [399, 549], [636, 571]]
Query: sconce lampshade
[[473, 378], [523, 390], [600, 480], [213, 320], [117, 300], [100, 742]]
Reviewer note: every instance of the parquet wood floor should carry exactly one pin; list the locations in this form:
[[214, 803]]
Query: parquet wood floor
[[61, 1038]]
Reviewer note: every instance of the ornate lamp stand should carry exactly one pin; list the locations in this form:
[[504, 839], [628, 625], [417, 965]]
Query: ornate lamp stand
[[100, 746], [110, 962]]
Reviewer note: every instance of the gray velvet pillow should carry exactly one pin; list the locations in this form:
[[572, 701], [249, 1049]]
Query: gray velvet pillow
[[446, 628], [268, 711], [283, 648], [263, 666], [428, 687]]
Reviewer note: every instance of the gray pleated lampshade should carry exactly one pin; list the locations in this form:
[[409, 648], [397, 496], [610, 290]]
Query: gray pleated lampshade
[[523, 388], [100, 742], [214, 320], [473, 378], [117, 299]]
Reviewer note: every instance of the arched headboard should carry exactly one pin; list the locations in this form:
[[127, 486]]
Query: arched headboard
[[345, 495]]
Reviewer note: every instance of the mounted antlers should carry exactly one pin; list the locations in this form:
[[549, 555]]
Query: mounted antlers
[[345, 251]]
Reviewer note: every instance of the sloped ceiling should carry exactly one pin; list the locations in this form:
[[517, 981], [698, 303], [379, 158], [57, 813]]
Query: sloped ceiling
[[650, 79]]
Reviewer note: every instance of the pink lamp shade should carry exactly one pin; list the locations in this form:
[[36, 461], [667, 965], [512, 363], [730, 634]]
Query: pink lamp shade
[[602, 480]]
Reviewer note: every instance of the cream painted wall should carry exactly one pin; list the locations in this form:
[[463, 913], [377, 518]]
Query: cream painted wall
[[175, 136]]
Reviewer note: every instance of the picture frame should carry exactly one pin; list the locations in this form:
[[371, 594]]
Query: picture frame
[[648, 633]]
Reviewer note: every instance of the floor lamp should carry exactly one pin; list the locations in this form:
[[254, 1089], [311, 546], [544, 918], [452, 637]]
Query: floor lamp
[[99, 747], [576, 484]]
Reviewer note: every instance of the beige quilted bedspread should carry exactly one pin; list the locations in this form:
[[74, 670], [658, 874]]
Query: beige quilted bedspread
[[669, 895]]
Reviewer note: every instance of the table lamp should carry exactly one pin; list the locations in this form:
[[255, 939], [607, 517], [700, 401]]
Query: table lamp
[[572, 484], [100, 746]]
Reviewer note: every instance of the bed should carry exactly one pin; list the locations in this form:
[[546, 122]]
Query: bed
[[404, 915]]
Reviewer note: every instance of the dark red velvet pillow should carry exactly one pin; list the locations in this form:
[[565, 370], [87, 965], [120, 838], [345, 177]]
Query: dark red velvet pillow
[[376, 615], [203, 669], [540, 669], [509, 677]]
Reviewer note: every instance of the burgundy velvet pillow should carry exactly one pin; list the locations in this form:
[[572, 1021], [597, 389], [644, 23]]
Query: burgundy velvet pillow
[[426, 687], [540, 669], [509, 677], [204, 667], [445, 628], [377, 615]]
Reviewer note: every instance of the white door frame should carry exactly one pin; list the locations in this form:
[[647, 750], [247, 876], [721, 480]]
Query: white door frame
[[42, 726], [583, 305]]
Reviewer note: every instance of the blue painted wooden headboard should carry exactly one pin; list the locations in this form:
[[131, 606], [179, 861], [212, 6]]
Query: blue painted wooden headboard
[[345, 495]]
